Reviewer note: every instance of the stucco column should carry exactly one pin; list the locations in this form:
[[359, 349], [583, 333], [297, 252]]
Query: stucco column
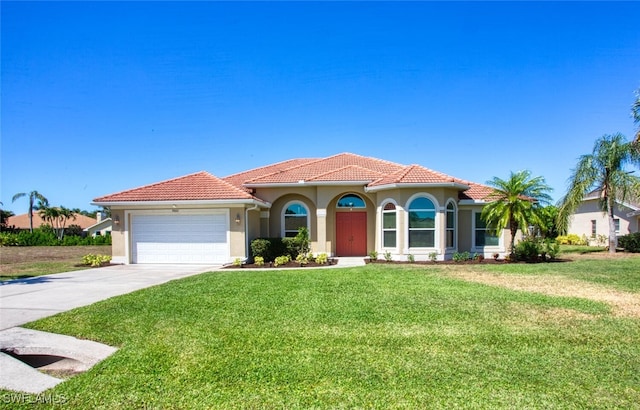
[[321, 218]]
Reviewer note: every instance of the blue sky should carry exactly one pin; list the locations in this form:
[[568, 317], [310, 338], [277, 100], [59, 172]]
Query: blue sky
[[102, 97]]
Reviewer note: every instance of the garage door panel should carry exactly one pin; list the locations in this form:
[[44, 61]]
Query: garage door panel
[[180, 238]]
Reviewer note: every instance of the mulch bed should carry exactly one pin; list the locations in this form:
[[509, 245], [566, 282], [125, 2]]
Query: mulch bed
[[293, 264]]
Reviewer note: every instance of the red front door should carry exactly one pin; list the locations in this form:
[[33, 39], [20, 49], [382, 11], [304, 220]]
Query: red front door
[[351, 234]]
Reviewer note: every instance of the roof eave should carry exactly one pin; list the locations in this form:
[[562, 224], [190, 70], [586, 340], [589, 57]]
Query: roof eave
[[243, 201], [472, 202]]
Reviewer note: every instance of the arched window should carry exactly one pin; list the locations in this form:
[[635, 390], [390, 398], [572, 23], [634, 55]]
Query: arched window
[[389, 226], [351, 201], [295, 216], [422, 223], [451, 225]]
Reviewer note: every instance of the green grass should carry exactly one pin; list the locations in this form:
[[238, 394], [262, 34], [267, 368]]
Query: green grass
[[380, 336], [32, 269]]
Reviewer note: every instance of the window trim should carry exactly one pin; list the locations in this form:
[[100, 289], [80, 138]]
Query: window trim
[[436, 221], [382, 228], [455, 224], [286, 206]]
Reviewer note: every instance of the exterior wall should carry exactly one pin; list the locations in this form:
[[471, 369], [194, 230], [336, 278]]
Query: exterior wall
[[118, 233], [237, 233], [580, 222]]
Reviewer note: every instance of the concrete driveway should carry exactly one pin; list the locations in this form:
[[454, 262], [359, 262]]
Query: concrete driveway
[[23, 301]]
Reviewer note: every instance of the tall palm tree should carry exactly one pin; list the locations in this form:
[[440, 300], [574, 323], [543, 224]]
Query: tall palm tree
[[515, 203], [33, 196], [604, 171]]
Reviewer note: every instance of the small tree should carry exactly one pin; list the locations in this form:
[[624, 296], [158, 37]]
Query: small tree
[[515, 203]]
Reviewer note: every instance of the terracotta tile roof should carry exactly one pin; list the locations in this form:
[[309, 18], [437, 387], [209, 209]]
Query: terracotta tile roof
[[198, 186], [477, 192], [22, 221], [347, 167], [308, 171], [340, 168], [240, 178], [416, 174]]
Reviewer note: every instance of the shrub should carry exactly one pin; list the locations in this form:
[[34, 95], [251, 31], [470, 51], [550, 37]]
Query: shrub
[[433, 256], [282, 260], [95, 260], [258, 260], [303, 258], [630, 242], [461, 256], [387, 256], [269, 248], [550, 248], [44, 236], [322, 258], [373, 255], [260, 247], [237, 262], [536, 249], [527, 250], [571, 239], [411, 258]]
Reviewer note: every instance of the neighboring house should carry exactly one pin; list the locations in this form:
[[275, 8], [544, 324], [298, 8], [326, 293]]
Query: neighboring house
[[101, 227], [351, 205], [21, 222], [591, 222]]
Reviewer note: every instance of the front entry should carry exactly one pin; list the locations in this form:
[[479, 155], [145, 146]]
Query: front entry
[[351, 233]]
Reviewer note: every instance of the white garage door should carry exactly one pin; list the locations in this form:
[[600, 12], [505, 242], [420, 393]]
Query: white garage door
[[197, 239]]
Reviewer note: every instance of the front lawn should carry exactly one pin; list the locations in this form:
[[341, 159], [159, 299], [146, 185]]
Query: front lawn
[[380, 336]]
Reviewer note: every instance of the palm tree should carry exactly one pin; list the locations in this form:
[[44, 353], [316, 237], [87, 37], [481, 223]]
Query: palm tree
[[515, 203], [603, 170], [33, 196], [57, 217]]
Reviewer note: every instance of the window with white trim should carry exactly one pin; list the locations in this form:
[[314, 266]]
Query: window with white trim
[[295, 216], [484, 235], [451, 225], [616, 222], [389, 226], [422, 223], [593, 228]]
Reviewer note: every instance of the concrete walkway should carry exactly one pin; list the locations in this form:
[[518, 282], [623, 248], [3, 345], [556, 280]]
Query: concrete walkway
[[23, 301]]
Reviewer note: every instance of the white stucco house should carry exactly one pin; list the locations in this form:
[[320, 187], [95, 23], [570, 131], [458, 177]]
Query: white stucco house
[[590, 221]]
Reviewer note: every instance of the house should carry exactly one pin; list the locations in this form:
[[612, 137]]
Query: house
[[589, 220], [102, 226], [351, 205], [21, 222]]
